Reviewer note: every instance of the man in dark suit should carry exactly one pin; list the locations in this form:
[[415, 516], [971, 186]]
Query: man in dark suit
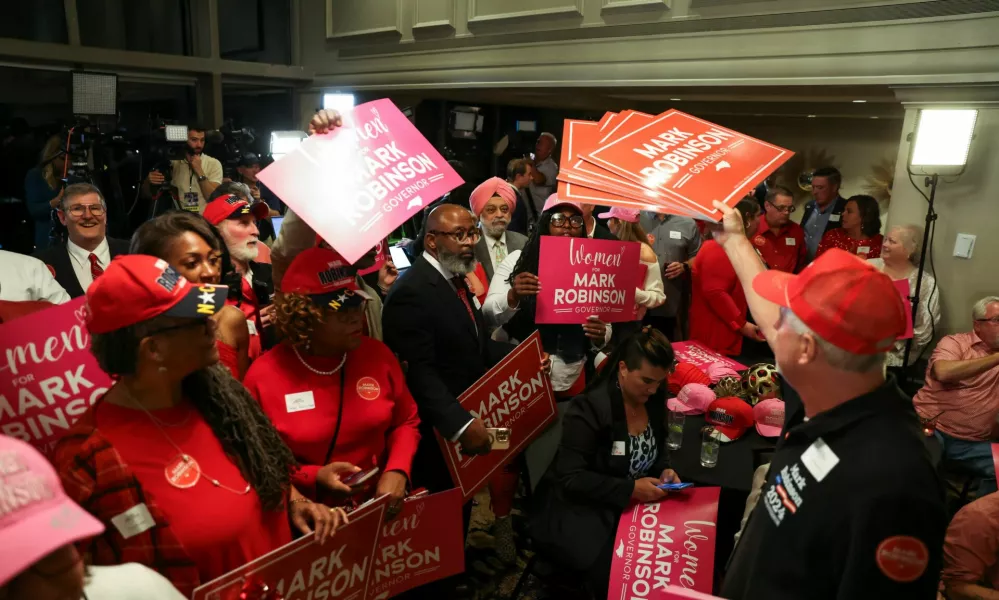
[[88, 250], [433, 323], [823, 212], [595, 230], [494, 204], [525, 215]]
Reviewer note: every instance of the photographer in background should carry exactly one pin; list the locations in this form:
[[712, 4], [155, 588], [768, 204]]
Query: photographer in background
[[195, 177], [43, 189], [88, 250]]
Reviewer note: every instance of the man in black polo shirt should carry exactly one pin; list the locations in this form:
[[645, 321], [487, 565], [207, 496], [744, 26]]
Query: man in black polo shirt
[[852, 507]]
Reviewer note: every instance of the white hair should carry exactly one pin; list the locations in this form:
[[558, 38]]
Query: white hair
[[911, 239], [978, 311], [834, 355], [549, 135], [240, 190]]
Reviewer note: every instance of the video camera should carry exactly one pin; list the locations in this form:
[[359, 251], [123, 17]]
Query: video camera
[[167, 142], [235, 143]]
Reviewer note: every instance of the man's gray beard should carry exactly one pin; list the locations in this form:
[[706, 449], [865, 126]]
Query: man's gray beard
[[455, 263], [245, 253], [493, 230]]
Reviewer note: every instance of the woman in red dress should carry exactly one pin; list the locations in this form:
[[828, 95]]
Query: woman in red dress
[[860, 232], [177, 460], [718, 303], [195, 249]]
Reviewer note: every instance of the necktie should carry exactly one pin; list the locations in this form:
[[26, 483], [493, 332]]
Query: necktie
[[459, 286], [499, 251], [95, 267]]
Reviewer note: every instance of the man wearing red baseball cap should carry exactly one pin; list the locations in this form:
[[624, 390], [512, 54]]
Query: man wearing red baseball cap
[[852, 506]]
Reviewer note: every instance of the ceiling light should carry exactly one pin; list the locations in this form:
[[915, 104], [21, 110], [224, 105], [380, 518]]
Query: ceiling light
[[811, 116], [674, 99], [859, 101]]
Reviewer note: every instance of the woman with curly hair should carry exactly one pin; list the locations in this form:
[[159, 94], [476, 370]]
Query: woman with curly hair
[[194, 248], [860, 229], [177, 460], [337, 397]]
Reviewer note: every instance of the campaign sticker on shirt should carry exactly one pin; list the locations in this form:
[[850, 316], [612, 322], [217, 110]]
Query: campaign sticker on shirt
[[834, 218], [789, 241], [368, 388], [675, 235], [299, 401], [819, 459], [134, 521], [865, 250], [251, 326], [183, 472], [902, 558], [617, 449]]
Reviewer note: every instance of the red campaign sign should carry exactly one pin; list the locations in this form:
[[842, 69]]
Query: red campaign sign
[[515, 394], [581, 277], [48, 377], [359, 182], [304, 570], [425, 543], [995, 457], [691, 160], [699, 356], [902, 285], [381, 254], [666, 543]]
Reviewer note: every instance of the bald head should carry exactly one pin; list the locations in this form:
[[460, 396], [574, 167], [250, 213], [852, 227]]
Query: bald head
[[451, 236]]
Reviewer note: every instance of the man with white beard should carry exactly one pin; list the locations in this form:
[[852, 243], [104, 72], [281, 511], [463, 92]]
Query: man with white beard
[[493, 204], [234, 217]]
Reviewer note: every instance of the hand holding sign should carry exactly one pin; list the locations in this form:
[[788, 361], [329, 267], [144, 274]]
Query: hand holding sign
[[732, 225], [524, 284], [595, 329], [324, 121], [475, 439]]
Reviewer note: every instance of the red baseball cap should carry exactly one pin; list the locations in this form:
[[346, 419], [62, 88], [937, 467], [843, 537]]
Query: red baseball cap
[[324, 276], [135, 288], [730, 416], [843, 299], [224, 207]]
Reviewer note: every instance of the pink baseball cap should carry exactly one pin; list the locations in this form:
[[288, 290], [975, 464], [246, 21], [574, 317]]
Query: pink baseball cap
[[625, 214], [693, 399], [769, 416], [717, 371], [554, 201], [43, 518]]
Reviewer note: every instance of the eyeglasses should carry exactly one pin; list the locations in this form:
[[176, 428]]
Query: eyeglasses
[[561, 221], [784, 209], [77, 210], [205, 323], [993, 320], [460, 235]]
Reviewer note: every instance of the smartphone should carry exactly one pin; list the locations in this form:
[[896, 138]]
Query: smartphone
[[500, 437], [360, 477], [672, 487]]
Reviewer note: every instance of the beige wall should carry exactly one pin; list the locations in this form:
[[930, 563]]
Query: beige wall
[[968, 204]]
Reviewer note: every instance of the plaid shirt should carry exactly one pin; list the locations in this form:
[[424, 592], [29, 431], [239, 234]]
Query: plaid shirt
[[96, 477]]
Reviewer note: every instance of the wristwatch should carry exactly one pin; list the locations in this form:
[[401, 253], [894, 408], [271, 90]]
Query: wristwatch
[[201, 178]]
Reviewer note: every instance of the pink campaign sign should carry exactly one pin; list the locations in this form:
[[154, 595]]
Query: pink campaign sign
[[358, 183], [48, 377], [666, 544], [699, 356], [902, 285], [584, 277]]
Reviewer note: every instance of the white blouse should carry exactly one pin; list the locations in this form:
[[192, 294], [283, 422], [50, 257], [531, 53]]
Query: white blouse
[[927, 316]]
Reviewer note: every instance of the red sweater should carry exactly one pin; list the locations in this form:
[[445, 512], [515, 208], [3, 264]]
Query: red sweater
[[718, 304], [380, 423]]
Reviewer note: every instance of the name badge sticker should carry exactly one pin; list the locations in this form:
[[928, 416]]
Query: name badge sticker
[[834, 218], [251, 326], [789, 241], [299, 401], [675, 235], [819, 459], [865, 250], [617, 449], [476, 302], [134, 521]]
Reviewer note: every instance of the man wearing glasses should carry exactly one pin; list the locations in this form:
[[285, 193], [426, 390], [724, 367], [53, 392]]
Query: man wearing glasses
[[88, 251], [959, 399], [779, 240]]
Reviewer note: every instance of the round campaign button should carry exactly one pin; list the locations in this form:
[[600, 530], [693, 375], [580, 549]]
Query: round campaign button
[[183, 471], [368, 388], [902, 558]]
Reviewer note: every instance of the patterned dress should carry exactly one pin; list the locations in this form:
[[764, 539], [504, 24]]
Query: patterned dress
[[643, 452]]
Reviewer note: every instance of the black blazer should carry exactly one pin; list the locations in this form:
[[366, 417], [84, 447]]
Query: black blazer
[[426, 324], [838, 207], [580, 500], [600, 232], [57, 257]]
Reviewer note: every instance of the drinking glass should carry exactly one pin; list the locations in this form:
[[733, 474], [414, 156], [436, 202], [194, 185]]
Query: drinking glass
[[675, 438], [709, 448]]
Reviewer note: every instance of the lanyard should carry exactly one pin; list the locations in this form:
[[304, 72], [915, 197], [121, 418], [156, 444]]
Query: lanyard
[[339, 415]]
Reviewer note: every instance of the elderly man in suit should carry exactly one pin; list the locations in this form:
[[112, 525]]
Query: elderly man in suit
[[88, 251], [493, 204]]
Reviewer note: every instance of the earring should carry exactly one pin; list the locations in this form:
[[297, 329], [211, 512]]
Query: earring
[[162, 369]]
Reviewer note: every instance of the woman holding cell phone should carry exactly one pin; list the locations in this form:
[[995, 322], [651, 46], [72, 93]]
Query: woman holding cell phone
[[612, 453], [337, 397]]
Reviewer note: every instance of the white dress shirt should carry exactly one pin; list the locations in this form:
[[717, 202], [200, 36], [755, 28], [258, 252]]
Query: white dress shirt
[[540, 193], [448, 275], [498, 312], [27, 278], [130, 581], [81, 261]]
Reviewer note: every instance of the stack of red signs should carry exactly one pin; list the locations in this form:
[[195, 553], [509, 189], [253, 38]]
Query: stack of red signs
[[671, 163]]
